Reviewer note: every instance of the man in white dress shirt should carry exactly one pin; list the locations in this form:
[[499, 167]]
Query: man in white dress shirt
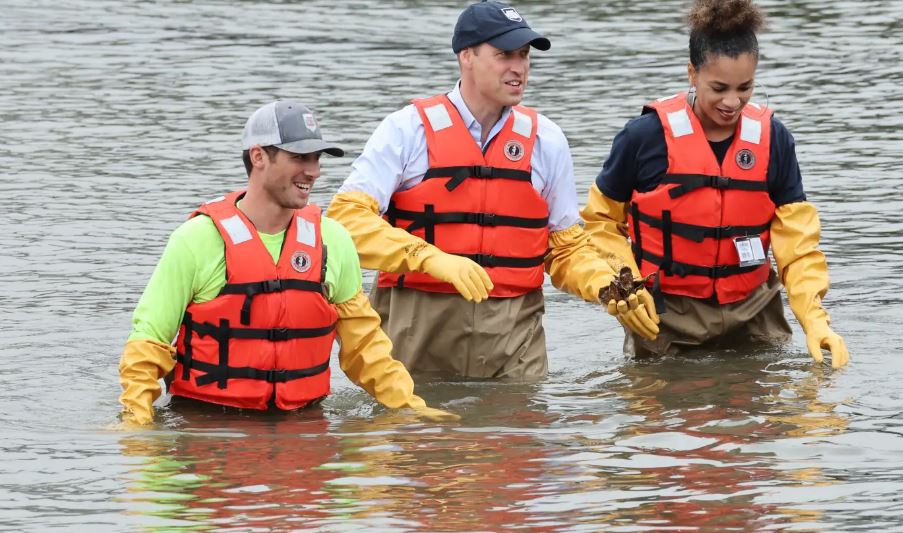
[[462, 201]]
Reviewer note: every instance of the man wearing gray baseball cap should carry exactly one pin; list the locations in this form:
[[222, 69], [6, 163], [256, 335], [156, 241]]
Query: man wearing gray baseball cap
[[252, 299], [478, 198]]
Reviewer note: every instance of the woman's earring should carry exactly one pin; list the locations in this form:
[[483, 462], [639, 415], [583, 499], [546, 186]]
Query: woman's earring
[[691, 96]]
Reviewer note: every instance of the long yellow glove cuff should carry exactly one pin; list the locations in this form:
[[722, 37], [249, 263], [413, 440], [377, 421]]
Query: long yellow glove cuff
[[795, 231], [575, 265], [383, 247], [142, 364], [606, 225], [365, 355]]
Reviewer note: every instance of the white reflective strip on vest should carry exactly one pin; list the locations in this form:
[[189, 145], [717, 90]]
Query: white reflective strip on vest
[[523, 124], [438, 117], [680, 123], [307, 233], [662, 99], [217, 199], [750, 130], [236, 229], [755, 105]]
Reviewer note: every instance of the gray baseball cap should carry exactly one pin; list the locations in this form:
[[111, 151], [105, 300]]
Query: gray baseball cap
[[289, 126]]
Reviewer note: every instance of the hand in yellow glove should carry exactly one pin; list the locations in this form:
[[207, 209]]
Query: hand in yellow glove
[[421, 410], [142, 364], [365, 356], [819, 335], [467, 276], [795, 231], [636, 313]]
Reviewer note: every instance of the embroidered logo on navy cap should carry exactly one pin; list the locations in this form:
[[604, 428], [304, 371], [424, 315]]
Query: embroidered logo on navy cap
[[746, 159], [301, 261], [514, 150], [512, 14]]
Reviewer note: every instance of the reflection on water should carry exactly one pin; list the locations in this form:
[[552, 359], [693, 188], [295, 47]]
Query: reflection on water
[[119, 118]]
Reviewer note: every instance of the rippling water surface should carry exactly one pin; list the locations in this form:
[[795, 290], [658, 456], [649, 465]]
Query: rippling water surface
[[120, 117]]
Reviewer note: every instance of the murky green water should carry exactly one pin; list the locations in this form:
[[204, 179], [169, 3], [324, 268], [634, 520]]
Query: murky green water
[[120, 117]]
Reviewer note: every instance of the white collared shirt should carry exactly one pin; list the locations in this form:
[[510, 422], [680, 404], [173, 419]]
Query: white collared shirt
[[395, 159]]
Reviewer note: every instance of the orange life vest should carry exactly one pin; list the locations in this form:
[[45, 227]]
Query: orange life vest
[[268, 334], [476, 205], [685, 228]]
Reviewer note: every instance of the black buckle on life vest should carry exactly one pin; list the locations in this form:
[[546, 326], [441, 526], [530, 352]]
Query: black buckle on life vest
[[723, 231], [485, 260], [276, 375], [271, 285], [277, 334], [720, 182], [485, 219], [480, 171]]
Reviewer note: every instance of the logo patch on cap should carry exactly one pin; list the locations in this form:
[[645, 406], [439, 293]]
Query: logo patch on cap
[[746, 159], [514, 150], [512, 14], [301, 261], [310, 121]]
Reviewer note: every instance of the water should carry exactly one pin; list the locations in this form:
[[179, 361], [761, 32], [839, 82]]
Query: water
[[119, 118]]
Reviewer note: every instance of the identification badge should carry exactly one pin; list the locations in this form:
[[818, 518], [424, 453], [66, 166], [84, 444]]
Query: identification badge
[[750, 251]]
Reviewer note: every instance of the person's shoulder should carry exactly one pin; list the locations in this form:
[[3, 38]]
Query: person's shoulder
[[550, 133], [645, 125], [195, 230], [334, 233], [780, 134]]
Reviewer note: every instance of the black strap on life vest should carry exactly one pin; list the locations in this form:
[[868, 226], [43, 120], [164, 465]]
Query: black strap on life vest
[[429, 218], [459, 174], [222, 372], [213, 372], [487, 260], [690, 182], [686, 269], [698, 233], [186, 341], [270, 286]]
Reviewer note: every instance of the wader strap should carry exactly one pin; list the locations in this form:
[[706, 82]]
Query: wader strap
[[270, 286], [186, 342], [390, 214], [690, 182], [699, 233], [400, 283], [657, 297], [459, 174], [502, 261], [323, 271], [223, 367], [213, 373]]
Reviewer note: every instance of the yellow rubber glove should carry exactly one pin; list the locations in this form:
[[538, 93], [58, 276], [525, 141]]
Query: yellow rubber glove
[[365, 355], [795, 231], [142, 364], [606, 225], [576, 266], [637, 313], [389, 249]]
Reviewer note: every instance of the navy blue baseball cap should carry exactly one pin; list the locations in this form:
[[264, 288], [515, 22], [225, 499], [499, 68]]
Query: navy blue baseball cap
[[497, 24]]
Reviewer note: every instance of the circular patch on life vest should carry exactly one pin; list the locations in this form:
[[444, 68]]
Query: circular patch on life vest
[[301, 261], [514, 150], [746, 159]]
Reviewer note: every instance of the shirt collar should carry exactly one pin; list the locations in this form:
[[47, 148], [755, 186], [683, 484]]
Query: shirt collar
[[469, 120]]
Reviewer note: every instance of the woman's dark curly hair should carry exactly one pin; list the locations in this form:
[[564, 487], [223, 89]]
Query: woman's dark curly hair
[[723, 27]]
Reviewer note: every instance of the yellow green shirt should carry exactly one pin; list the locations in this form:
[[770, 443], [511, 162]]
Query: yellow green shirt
[[193, 269]]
